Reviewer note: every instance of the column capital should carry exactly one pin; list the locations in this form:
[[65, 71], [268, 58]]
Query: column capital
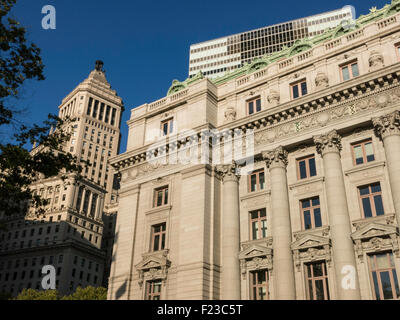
[[276, 158], [387, 125], [228, 171], [330, 142]]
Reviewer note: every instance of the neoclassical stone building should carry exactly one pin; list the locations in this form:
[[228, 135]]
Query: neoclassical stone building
[[316, 218]]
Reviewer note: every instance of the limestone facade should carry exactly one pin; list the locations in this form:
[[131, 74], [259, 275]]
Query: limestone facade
[[317, 218]]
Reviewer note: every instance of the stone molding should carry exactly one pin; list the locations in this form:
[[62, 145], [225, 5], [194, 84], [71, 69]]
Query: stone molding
[[256, 255], [387, 125], [330, 142], [228, 172], [276, 158], [154, 266]]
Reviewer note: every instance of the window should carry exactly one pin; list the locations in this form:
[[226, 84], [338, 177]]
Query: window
[[371, 200], [363, 152], [158, 233], [306, 167], [161, 197], [311, 213], [259, 285], [398, 51], [167, 127], [258, 224], [384, 277], [257, 181], [299, 89], [349, 71], [317, 281], [153, 290], [253, 106]]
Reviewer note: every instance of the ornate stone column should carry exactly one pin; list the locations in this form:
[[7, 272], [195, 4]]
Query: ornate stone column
[[347, 281], [387, 128], [230, 232], [283, 267]]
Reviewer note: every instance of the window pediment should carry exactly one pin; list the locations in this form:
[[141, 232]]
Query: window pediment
[[310, 241], [373, 230]]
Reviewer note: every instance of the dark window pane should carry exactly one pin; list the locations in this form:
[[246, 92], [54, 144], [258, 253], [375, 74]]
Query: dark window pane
[[396, 284], [313, 169], [364, 191], [376, 286], [165, 129], [305, 203], [307, 220], [156, 242], [253, 182], [315, 202], [303, 88], [251, 108], [258, 105], [318, 271], [262, 180], [376, 188], [317, 218], [255, 229], [264, 228], [310, 288], [378, 205], [159, 198], [303, 170], [386, 285], [295, 91], [166, 196], [367, 207], [319, 286]]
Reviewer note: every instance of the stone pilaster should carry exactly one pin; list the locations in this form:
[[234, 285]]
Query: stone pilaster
[[230, 278], [283, 268], [387, 128], [329, 147]]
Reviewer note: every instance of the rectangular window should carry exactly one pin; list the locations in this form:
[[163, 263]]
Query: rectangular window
[[167, 127], [258, 224], [311, 213], [298, 89], [158, 233], [257, 181], [253, 106], [384, 277], [371, 200], [153, 290], [161, 197], [349, 71], [259, 285], [306, 167], [363, 152], [317, 281]]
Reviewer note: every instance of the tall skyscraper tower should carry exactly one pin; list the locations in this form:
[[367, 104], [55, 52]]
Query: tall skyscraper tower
[[68, 234]]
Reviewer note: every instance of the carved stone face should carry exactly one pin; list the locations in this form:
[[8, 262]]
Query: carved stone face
[[321, 80], [376, 60]]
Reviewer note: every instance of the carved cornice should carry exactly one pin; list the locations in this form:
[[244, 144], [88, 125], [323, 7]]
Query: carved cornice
[[327, 143], [154, 266], [387, 125], [228, 172], [276, 158]]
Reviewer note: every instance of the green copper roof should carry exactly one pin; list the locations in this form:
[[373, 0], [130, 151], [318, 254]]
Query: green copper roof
[[298, 47]]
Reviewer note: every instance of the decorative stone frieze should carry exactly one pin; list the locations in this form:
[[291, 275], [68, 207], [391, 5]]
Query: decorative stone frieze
[[230, 114], [321, 80], [256, 255], [376, 235], [274, 98], [154, 266], [330, 142], [277, 157], [387, 125], [228, 171], [376, 61]]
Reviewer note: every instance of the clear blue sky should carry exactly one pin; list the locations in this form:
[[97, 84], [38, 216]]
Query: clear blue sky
[[144, 44]]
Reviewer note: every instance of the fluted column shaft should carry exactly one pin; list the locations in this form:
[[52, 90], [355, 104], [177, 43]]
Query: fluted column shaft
[[230, 278], [347, 281], [388, 129], [283, 267]]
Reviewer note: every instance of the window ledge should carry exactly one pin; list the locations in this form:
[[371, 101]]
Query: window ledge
[[386, 219], [255, 194], [306, 181], [159, 209], [361, 167]]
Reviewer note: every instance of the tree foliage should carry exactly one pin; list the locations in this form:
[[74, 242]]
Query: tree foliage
[[88, 293], [20, 61]]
